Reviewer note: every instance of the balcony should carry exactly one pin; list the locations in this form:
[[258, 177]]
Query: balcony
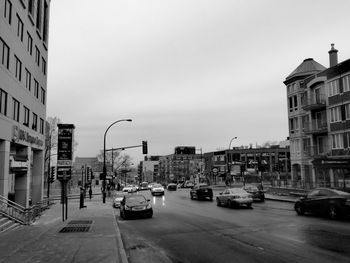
[[317, 126], [316, 151], [313, 102]]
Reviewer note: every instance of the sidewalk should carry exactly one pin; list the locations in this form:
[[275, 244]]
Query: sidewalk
[[43, 242]]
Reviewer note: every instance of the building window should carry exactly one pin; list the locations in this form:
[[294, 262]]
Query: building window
[[18, 68], [294, 125], [347, 111], [346, 83], [37, 56], [333, 88], [295, 102], [31, 7], [335, 114], [347, 140], [43, 96], [30, 44], [36, 88], [45, 29], [337, 141], [15, 113], [3, 102], [26, 116], [43, 65], [4, 53], [19, 28], [35, 122], [38, 14], [41, 126], [8, 11], [28, 80]]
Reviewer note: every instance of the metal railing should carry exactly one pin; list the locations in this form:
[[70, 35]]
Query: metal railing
[[20, 214]]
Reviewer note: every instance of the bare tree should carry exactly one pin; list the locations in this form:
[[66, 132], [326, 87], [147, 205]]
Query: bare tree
[[119, 161]]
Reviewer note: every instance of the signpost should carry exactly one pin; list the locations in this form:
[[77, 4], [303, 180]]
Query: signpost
[[65, 160]]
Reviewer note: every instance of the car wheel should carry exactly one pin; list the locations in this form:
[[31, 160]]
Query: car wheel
[[299, 209], [333, 212], [249, 205], [229, 203], [218, 203]]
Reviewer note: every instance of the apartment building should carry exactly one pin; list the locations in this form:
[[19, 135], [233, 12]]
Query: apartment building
[[319, 122], [24, 27]]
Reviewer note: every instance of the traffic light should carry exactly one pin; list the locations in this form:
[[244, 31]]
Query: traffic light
[[144, 147], [52, 174], [89, 172]]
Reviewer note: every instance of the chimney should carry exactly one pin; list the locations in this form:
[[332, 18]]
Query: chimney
[[333, 56]]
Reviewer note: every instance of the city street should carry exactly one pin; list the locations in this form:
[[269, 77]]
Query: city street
[[184, 230]]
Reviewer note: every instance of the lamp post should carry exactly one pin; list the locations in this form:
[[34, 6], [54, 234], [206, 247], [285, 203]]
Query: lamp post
[[104, 160], [229, 159]]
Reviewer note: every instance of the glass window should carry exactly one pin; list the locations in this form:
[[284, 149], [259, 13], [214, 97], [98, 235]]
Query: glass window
[[337, 141], [333, 88], [37, 56], [29, 44], [19, 28], [8, 11], [43, 96], [295, 102], [31, 7], [18, 68], [346, 83], [35, 122], [3, 102], [347, 111], [26, 116], [335, 114], [4, 54], [15, 112], [28, 80], [41, 126], [36, 88], [38, 14], [43, 65]]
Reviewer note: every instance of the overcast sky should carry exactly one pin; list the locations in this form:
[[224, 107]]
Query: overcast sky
[[187, 72]]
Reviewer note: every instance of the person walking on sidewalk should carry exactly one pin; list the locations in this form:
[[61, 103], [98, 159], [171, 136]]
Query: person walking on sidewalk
[[90, 192]]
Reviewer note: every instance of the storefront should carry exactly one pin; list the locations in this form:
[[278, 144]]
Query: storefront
[[22, 166], [332, 172]]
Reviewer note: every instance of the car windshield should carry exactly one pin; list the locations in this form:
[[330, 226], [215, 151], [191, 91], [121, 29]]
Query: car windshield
[[237, 191], [157, 185], [251, 188], [135, 199]]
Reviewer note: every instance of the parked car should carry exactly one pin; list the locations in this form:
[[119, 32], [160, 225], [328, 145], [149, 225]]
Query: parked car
[[157, 189], [117, 200], [201, 191], [188, 184], [172, 187], [258, 194], [324, 201], [234, 197], [130, 189], [135, 206], [144, 186]]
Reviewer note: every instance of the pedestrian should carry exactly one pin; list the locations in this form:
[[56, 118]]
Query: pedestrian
[[90, 193]]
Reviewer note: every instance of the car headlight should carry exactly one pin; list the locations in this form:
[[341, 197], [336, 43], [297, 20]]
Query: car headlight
[[148, 206], [127, 208]]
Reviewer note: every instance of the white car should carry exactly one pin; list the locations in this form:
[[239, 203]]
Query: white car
[[157, 189], [234, 197], [130, 189], [117, 199]]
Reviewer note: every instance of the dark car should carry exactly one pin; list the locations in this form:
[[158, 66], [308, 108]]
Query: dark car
[[172, 187], [201, 191], [324, 201], [256, 191], [135, 205]]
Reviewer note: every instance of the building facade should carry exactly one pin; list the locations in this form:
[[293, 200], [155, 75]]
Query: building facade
[[319, 122], [24, 27]]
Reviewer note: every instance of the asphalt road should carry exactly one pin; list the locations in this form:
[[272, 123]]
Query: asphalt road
[[184, 230]]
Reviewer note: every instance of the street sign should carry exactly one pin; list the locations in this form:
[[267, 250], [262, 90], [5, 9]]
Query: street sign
[[65, 151]]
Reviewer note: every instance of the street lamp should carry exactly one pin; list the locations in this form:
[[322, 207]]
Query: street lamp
[[229, 159], [104, 160]]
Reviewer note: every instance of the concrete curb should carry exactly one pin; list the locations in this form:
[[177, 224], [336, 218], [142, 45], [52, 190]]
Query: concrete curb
[[122, 252]]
